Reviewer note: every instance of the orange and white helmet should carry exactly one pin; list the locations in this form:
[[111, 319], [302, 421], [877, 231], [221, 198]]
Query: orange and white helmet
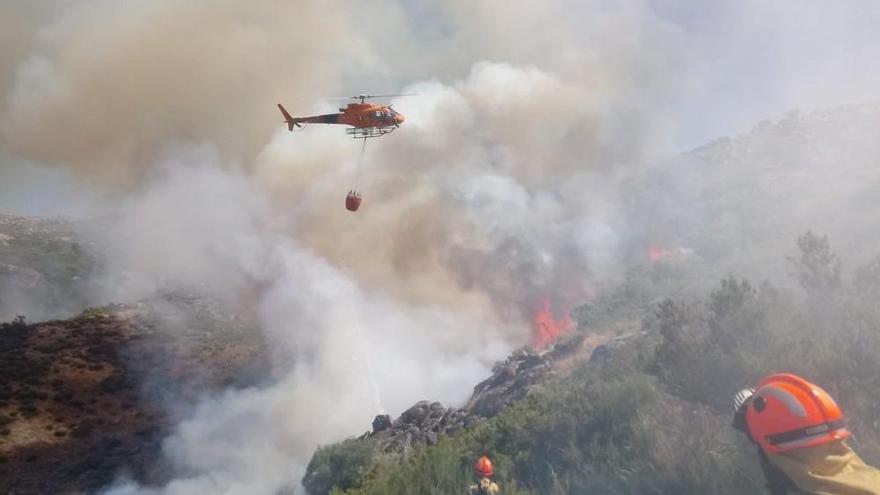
[[788, 413], [483, 467]]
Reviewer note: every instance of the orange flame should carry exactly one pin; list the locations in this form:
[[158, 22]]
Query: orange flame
[[656, 253], [546, 328]]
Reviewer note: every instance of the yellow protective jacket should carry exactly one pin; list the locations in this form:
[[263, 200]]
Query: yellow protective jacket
[[484, 487], [829, 469]]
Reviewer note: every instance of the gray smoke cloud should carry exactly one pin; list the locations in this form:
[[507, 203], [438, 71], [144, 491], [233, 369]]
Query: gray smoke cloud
[[470, 199], [502, 188], [107, 85], [340, 351]]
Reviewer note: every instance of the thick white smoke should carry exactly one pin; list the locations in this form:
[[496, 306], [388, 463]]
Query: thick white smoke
[[341, 352]]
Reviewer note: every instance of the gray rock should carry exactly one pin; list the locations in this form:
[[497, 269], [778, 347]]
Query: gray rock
[[381, 423], [416, 413]]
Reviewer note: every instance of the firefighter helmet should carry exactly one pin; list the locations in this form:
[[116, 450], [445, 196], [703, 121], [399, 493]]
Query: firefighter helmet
[[787, 412], [483, 467]]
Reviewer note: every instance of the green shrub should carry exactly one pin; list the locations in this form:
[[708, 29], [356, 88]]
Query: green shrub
[[339, 466], [602, 430], [96, 312]]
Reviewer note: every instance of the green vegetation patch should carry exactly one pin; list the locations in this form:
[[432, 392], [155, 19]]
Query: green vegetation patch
[[655, 419]]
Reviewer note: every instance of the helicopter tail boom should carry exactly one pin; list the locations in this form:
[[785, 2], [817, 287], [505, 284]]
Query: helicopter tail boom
[[287, 118]]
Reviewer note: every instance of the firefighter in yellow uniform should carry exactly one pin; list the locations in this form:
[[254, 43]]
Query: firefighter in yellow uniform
[[801, 438], [485, 486]]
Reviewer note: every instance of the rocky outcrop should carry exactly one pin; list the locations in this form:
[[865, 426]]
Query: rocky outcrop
[[418, 426], [511, 380], [381, 423]]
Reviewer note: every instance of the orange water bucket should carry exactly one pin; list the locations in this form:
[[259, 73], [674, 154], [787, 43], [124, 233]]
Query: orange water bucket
[[352, 200]]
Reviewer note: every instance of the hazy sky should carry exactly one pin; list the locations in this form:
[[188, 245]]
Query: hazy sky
[[750, 60]]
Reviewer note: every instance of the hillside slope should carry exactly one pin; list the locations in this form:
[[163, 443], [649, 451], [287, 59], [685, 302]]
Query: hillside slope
[[736, 203], [653, 415], [84, 400], [45, 268]]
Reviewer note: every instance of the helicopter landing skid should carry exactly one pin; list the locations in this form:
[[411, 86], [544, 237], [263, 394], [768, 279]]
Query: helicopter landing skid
[[369, 132]]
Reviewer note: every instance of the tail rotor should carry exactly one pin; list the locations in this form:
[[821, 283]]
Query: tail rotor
[[291, 121]]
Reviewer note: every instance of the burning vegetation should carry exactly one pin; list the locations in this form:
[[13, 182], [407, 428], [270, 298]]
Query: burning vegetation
[[546, 329]]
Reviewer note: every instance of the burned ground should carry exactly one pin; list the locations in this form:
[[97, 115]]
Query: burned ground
[[82, 399]]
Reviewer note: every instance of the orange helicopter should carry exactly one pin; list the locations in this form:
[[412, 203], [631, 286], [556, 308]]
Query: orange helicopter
[[368, 120]]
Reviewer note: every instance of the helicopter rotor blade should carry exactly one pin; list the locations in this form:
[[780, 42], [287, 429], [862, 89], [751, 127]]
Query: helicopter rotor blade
[[366, 97], [381, 96]]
